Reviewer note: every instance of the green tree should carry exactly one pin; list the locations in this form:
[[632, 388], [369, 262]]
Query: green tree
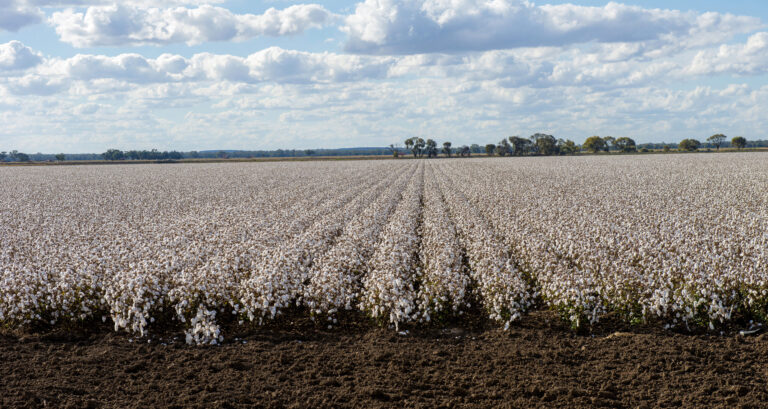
[[545, 144], [465, 151], [194, 154], [503, 148], [475, 148], [489, 149], [689, 145], [716, 140], [739, 142], [60, 157], [666, 148], [113, 154], [431, 148], [594, 144], [19, 156], [416, 146], [567, 147], [420, 146], [520, 146], [625, 144], [394, 150], [309, 152], [409, 145], [447, 149], [3, 155]]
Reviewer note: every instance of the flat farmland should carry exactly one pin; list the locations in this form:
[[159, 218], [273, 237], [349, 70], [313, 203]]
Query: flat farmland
[[651, 262]]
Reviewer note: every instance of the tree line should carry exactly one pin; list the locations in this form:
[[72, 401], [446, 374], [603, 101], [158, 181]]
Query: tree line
[[541, 144], [537, 144]]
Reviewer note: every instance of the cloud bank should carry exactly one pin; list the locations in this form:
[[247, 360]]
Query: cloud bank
[[132, 25], [428, 26]]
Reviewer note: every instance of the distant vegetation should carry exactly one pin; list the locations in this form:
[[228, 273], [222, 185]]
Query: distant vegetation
[[539, 144]]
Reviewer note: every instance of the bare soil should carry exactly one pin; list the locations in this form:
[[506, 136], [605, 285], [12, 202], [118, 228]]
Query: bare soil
[[537, 363]]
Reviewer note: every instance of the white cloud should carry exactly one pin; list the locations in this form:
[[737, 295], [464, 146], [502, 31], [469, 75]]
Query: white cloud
[[16, 14], [34, 84], [143, 3], [425, 26], [131, 25], [273, 64], [750, 58], [16, 56]]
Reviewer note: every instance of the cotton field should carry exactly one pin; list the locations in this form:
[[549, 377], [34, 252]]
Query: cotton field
[[678, 240]]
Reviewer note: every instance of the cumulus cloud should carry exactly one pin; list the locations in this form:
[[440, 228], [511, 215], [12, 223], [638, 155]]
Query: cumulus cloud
[[273, 64], [750, 58], [426, 26], [34, 84], [15, 14], [16, 56], [144, 3], [132, 25]]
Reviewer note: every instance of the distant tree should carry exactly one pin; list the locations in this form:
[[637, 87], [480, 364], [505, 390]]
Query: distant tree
[[739, 142], [625, 144], [489, 149], [594, 144], [610, 142], [716, 140], [503, 148], [545, 144], [421, 146], [447, 149], [60, 157], [465, 151], [222, 155], [689, 145], [666, 148], [113, 154], [567, 147], [309, 152], [409, 145], [19, 156], [520, 146], [194, 154], [475, 148], [431, 148], [3, 155], [395, 151]]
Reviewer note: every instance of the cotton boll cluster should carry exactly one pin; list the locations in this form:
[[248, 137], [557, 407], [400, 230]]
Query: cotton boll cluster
[[203, 329]]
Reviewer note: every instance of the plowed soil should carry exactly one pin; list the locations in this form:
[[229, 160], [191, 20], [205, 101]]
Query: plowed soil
[[537, 363]]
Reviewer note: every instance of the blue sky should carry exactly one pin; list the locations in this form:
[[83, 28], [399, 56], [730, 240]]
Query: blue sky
[[87, 75]]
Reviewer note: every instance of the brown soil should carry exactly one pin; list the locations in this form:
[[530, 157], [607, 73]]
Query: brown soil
[[538, 363]]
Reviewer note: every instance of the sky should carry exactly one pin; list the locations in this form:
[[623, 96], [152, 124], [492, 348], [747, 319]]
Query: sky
[[88, 75]]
